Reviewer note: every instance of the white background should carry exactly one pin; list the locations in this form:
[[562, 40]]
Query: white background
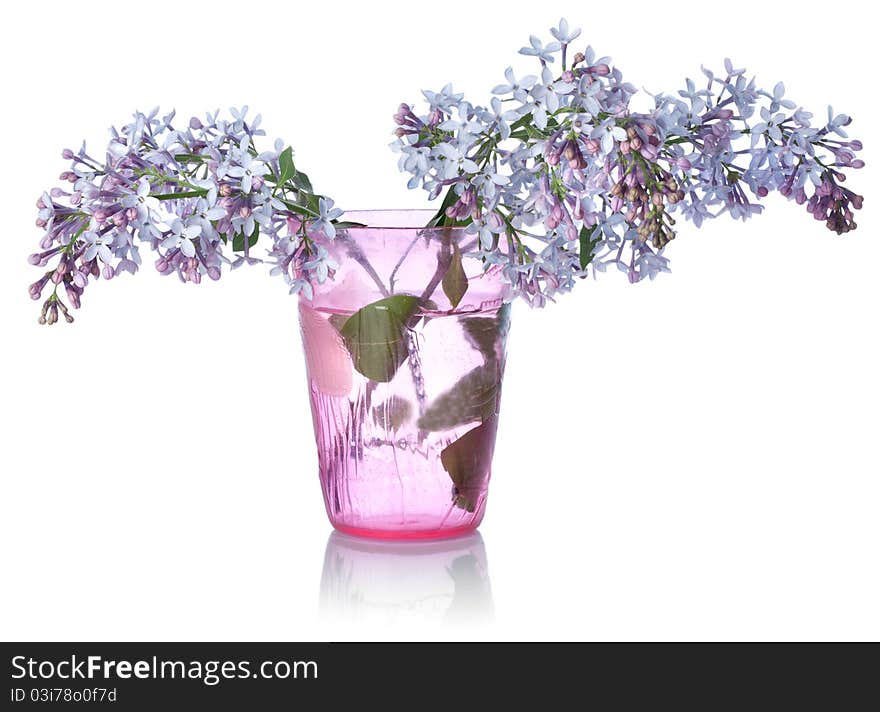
[[694, 458]]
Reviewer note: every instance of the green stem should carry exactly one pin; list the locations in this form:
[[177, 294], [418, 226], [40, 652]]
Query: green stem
[[199, 193]]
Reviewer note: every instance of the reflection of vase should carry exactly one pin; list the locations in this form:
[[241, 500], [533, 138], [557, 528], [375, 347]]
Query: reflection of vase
[[391, 583], [405, 352]]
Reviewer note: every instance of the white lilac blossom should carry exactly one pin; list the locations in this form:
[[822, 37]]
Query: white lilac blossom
[[560, 179], [197, 195]]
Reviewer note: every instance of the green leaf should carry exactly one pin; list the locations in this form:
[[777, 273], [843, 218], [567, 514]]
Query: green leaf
[[533, 132], [485, 333], [299, 209], [238, 240], [377, 336], [311, 200], [285, 166], [188, 157], [343, 224], [521, 122], [468, 461], [473, 397], [482, 333], [393, 413], [301, 181], [200, 193], [589, 240], [338, 321], [455, 281]]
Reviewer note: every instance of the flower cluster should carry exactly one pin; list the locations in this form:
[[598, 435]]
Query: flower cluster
[[200, 196], [559, 178]]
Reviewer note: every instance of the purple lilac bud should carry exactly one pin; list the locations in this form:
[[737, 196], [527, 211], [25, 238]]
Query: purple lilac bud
[[36, 289]]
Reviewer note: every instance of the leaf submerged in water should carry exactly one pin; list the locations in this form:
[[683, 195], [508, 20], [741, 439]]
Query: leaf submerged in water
[[377, 336], [468, 461], [338, 321], [393, 413], [455, 281], [486, 334], [473, 397]]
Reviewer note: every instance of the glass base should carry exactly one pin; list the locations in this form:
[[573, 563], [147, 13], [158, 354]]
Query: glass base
[[401, 534]]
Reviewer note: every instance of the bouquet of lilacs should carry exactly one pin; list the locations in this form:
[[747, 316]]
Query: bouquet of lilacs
[[556, 178], [560, 179], [200, 196]]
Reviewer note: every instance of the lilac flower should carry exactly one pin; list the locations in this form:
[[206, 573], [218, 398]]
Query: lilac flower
[[269, 156], [583, 181], [140, 200], [731, 72], [207, 212], [303, 286], [244, 222], [321, 264], [499, 117], [98, 246], [465, 124], [802, 118], [607, 133], [836, 122], [444, 100], [239, 124], [562, 33], [46, 212], [557, 86], [190, 193], [769, 126], [777, 100], [248, 168], [488, 181], [413, 160], [518, 88], [182, 237], [588, 94], [455, 161], [543, 100], [537, 49], [588, 182], [696, 97], [326, 215], [594, 62], [650, 264], [487, 231]]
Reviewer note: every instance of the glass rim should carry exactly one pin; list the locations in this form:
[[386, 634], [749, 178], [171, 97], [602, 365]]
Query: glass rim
[[382, 219]]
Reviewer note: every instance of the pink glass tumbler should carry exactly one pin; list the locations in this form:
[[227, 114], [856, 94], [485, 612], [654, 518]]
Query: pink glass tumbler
[[405, 351]]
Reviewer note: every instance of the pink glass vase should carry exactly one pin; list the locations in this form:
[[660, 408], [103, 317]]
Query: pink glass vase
[[405, 350]]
